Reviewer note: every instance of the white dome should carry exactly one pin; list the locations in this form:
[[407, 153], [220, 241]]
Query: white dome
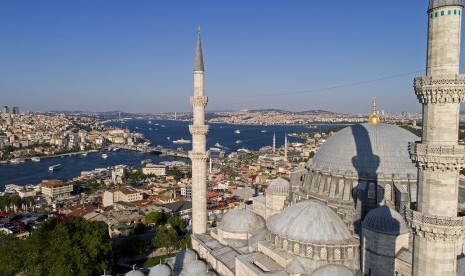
[[367, 149], [195, 268], [279, 186], [333, 270], [310, 222], [184, 257], [135, 273], [241, 221], [160, 270]]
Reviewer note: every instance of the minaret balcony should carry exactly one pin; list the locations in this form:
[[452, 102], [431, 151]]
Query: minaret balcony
[[435, 227], [434, 90], [198, 129], [437, 157], [198, 156], [197, 101]]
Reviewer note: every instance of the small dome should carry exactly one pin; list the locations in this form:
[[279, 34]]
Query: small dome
[[240, 221], [135, 273], [160, 270], [195, 268], [211, 217], [386, 221], [333, 270], [279, 186], [310, 221], [184, 257], [208, 273]]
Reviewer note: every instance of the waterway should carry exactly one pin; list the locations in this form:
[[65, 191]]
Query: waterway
[[159, 133]]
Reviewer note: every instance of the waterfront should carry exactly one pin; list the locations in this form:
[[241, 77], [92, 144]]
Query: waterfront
[[157, 132]]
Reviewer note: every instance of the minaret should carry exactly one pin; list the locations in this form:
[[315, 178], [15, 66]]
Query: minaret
[[436, 226], [274, 142], [285, 146], [199, 155], [374, 118]]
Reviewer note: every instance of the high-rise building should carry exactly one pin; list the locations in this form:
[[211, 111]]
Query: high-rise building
[[199, 155], [15, 110], [437, 228], [6, 110]]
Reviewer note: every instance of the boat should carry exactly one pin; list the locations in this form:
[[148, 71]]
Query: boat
[[168, 138], [312, 126], [264, 130], [182, 141], [150, 128], [237, 131], [104, 156], [218, 145], [150, 122], [17, 160], [238, 141], [84, 154], [215, 149], [54, 167], [115, 149], [35, 159], [146, 161]]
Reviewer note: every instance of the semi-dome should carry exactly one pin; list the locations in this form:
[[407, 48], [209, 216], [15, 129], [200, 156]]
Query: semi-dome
[[385, 220], [279, 186], [184, 257], [160, 270], [333, 270], [367, 149], [240, 221], [195, 268], [433, 4], [310, 222], [135, 273]]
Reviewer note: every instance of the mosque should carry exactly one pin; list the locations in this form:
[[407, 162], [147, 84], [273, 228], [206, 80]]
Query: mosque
[[374, 200]]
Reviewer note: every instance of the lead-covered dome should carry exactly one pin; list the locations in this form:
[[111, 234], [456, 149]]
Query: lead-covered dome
[[367, 149], [279, 186], [195, 268], [160, 270], [184, 257], [385, 220], [310, 222], [241, 221]]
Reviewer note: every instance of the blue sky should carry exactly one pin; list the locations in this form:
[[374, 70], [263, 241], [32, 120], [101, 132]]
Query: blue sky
[[138, 55]]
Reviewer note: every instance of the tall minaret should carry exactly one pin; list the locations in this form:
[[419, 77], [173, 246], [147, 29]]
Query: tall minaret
[[436, 226], [274, 142], [199, 155], [285, 146]]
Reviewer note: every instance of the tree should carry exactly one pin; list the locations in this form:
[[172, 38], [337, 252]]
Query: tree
[[154, 218], [177, 223], [132, 245], [167, 238], [74, 247], [10, 259]]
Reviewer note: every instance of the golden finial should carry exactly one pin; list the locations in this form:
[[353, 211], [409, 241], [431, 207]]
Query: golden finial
[[374, 118]]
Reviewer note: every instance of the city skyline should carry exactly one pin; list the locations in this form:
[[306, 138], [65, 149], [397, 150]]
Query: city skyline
[[101, 56]]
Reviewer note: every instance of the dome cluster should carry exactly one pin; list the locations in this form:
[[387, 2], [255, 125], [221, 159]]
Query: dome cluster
[[241, 221], [385, 220], [279, 186]]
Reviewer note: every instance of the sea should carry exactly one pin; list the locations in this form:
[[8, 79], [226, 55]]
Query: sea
[[159, 132]]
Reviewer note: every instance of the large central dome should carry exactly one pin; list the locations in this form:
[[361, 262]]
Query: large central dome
[[367, 149]]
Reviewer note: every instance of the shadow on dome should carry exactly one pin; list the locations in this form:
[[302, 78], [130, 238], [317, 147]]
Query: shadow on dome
[[365, 194]]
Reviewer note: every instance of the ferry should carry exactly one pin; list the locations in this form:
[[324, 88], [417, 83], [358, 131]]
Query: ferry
[[264, 130], [237, 131], [104, 156], [54, 167], [17, 160], [182, 141], [215, 149], [35, 159], [146, 161]]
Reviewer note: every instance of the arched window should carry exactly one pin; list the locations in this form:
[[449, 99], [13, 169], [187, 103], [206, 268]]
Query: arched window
[[276, 240], [309, 251], [337, 254], [371, 190], [388, 192], [285, 244], [350, 253], [296, 248], [323, 253]]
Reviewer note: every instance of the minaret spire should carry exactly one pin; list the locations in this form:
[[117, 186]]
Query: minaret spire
[[374, 118], [274, 142], [198, 54], [285, 147]]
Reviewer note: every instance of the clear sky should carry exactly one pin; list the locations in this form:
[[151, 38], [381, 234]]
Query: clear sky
[[138, 55]]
